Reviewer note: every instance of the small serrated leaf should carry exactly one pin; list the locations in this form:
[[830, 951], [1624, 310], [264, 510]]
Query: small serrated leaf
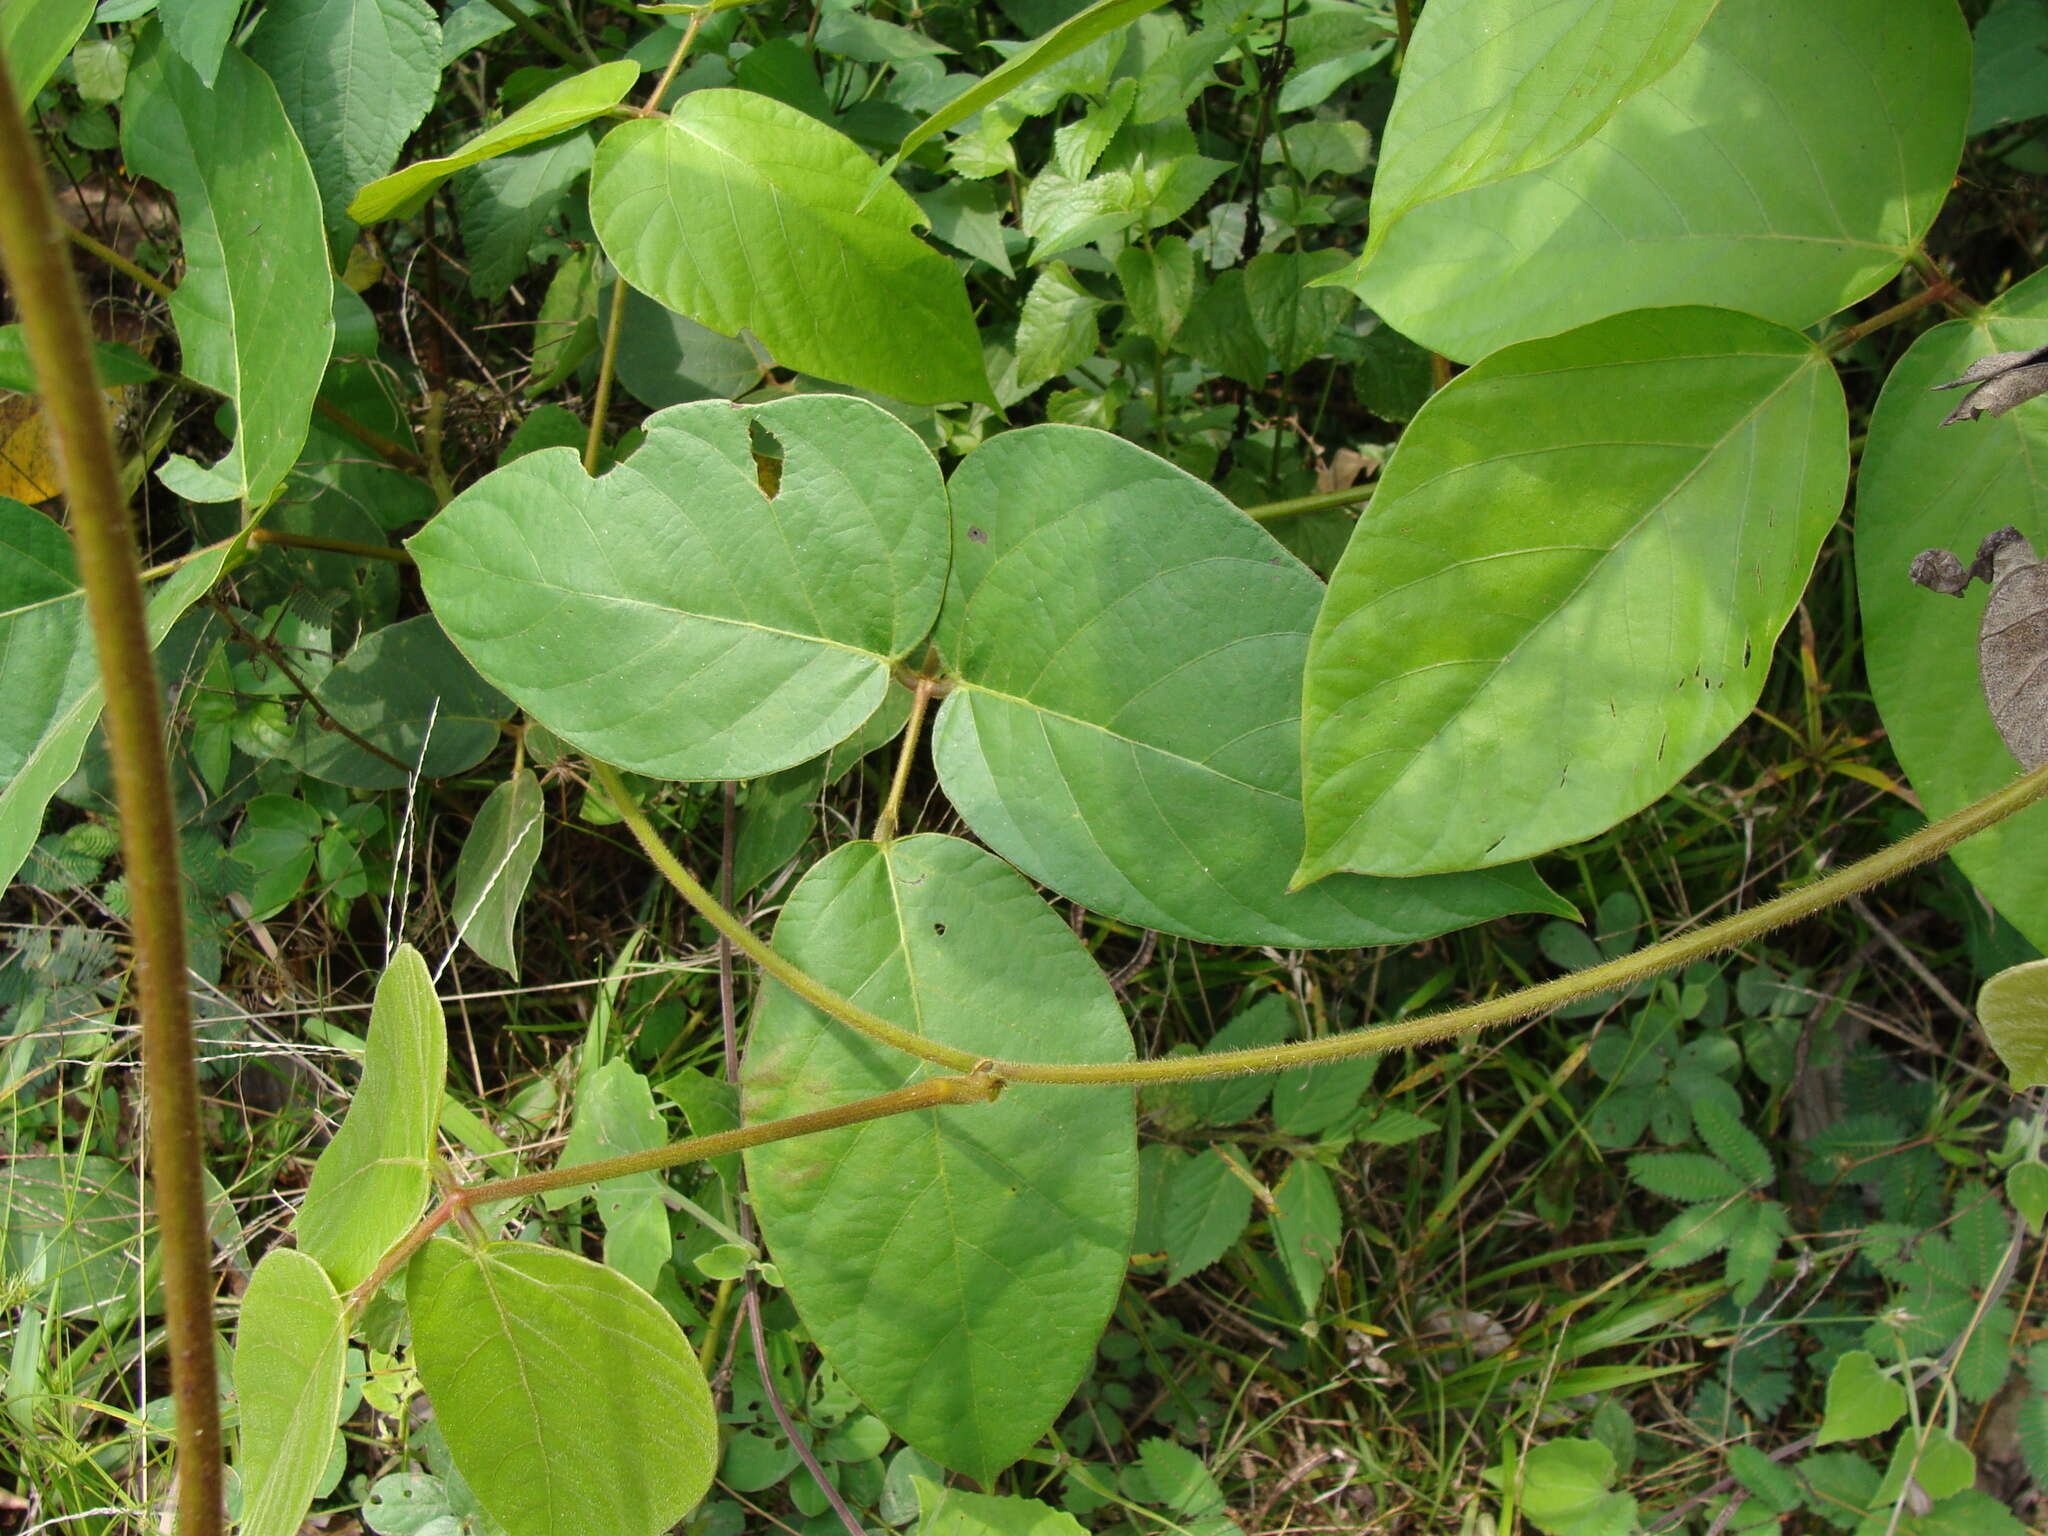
[[1207, 1206]]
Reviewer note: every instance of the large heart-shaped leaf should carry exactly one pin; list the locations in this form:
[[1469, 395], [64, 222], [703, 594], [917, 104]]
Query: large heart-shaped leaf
[[1566, 590], [371, 1181], [1786, 166], [289, 1351], [1923, 486], [675, 618], [1488, 92], [52, 698], [1123, 725], [570, 1398], [741, 212], [960, 1292], [255, 311]]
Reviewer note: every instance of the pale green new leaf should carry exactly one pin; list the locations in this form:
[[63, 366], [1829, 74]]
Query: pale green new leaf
[[255, 310], [1786, 165], [957, 1512], [1488, 92], [289, 1349], [52, 699], [1567, 588], [35, 35], [557, 109], [1862, 1400], [961, 1296], [744, 213], [674, 619], [571, 1400], [1063, 41], [371, 1181], [1919, 487], [1126, 648], [2013, 1008], [356, 78], [496, 862]]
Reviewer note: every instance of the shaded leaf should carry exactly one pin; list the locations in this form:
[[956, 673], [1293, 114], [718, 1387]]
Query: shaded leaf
[[570, 1398], [2010, 75], [1308, 1228], [726, 616], [289, 1348], [1208, 1204], [497, 859], [1057, 327], [1504, 664], [1125, 646], [505, 203], [743, 213], [992, 1238], [615, 1115], [371, 1182]]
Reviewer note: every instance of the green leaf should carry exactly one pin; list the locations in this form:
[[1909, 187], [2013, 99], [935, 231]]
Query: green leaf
[[1308, 1101], [371, 1181], [1125, 646], [1695, 1232], [569, 104], [1722, 1134], [289, 1348], [1315, 149], [1862, 1400], [1764, 1477], [497, 860], [255, 311], [741, 212], [1921, 487], [990, 1238], [1231, 1100], [504, 204], [1969, 1513], [1735, 179], [2010, 75], [1293, 319], [1063, 41], [1753, 1247], [1208, 1204], [570, 1398], [76, 1221], [1565, 1490], [114, 363], [356, 78], [1221, 334], [198, 32], [2026, 1188], [1171, 1475], [1158, 284], [956, 1512], [1509, 662], [407, 691], [675, 620], [1487, 94], [615, 1115], [1057, 327], [35, 35], [1308, 1229], [1684, 1176], [52, 698]]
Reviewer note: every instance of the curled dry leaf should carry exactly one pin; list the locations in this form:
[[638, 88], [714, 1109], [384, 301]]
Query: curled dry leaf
[[2003, 380], [2012, 642]]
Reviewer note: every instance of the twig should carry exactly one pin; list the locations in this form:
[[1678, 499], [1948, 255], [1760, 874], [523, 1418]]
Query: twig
[[274, 653]]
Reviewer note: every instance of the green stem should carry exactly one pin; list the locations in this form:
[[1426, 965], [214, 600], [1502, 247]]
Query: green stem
[[541, 34], [1932, 275], [593, 446], [1928, 843], [332, 546], [920, 699], [932, 1093], [1935, 293], [816, 993], [38, 267], [1322, 501], [675, 61], [121, 264]]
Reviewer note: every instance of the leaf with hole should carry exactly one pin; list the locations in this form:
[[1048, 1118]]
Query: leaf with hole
[[1508, 661], [496, 861], [744, 213], [1920, 487], [371, 1181], [289, 1347], [568, 104], [675, 619], [255, 309], [1124, 646], [992, 1238], [1786, 165], [570, 1398]]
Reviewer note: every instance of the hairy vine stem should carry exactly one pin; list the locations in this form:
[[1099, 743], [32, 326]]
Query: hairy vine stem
[[1930, 842], [37, 262]]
